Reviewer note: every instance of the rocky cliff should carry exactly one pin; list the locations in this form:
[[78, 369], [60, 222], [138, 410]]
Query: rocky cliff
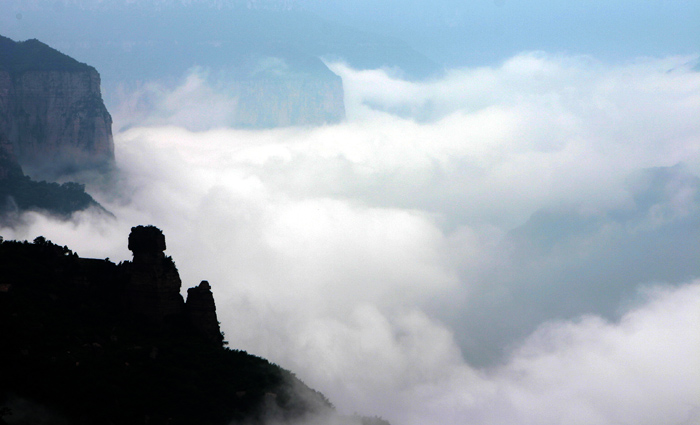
[[9, 167], [51, 111]]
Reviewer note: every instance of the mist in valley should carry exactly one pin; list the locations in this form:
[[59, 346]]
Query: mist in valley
[[510, 242]]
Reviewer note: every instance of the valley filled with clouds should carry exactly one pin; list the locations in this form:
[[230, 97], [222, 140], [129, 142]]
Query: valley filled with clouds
[[508, 244]]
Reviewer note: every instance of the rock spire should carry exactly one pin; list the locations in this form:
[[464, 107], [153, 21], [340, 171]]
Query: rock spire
[[153, 288]]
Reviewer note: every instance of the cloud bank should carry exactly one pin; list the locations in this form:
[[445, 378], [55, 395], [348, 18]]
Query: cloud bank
[[515, 244]]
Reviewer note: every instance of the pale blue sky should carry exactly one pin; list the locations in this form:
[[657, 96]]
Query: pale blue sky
[[478, 31], [457, 33]]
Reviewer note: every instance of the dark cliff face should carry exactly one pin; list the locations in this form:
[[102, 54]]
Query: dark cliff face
[[9, 167], [51, 111]]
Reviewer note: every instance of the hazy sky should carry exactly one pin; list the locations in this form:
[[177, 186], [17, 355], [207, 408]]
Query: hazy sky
[[450, 32], [514, 242], [483, 31]]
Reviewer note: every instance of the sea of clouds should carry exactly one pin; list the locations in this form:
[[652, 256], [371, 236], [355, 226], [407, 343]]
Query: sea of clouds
[[510, 244]]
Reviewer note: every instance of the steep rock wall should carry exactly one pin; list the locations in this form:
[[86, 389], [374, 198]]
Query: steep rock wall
[[8, 163], [56, 121], [51, 111]]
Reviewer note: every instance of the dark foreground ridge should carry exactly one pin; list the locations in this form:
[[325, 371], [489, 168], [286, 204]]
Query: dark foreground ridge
[[87, 341]]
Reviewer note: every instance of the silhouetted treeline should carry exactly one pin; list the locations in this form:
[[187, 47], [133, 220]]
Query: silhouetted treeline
[[21, 193]]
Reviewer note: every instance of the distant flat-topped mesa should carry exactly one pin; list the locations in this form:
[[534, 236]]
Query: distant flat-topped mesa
[[51, 111]]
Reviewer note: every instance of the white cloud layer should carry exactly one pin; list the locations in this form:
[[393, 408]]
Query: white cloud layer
[[466, 250]]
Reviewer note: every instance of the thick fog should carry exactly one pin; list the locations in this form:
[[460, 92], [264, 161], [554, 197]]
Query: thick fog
[[507, 244]]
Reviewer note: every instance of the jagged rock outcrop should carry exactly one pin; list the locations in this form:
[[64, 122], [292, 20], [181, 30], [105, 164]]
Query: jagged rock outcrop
[[201, 312], [51, 111], [153, 286]]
